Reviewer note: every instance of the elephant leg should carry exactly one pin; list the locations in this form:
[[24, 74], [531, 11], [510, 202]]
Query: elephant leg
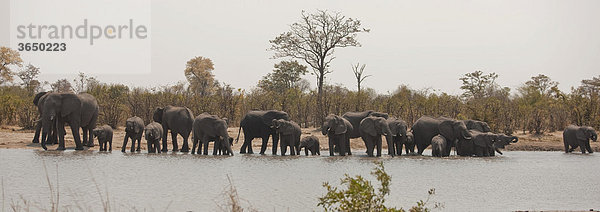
[[38, 129], [61, 136], [139, 140], [132, 144], [275, 142], [588, 147], [124, 146], [263, 147], [215, 147], [84, 138], [283, 149], [331, 144], [566, 146], [76, 137], [194, 144], [110, 145], [342, 145], [164, 139], [306, 152], [369, 143], [378, 144], [185, 147], [347, 140], [174, 141]]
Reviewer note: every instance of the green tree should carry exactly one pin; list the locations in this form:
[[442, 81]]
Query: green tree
[[314, 39], [62, 85], [477, 85], [28, 77], [198, 72], [8, 58], [285, 75]]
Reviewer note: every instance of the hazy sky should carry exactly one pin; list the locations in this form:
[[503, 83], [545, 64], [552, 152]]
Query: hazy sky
[[423, 44]]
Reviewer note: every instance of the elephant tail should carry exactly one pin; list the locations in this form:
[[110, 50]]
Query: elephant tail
[[238, 136]]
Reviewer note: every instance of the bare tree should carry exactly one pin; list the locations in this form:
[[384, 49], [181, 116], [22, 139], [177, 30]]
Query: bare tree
[[360, 77], [313, 39]]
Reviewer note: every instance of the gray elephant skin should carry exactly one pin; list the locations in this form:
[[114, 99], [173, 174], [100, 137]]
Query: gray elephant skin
[[78, 110], [426, 127], [410, 143], [371, 130], [208, 128], [289, 133], [178, 120], [576, 136], [52, 137], [338, 131], [153, 134], [105, 135], [483, 144], [356, 117], [134, 128], [398, 127], [480, 126], [310, 143], [257, 124], [501, 141], [438, 145]]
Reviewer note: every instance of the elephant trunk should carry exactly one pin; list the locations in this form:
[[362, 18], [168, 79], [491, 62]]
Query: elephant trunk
[[324, 129], [514, 139]]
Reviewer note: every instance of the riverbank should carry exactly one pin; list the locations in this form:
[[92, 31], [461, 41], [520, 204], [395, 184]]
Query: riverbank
[[12, 137]]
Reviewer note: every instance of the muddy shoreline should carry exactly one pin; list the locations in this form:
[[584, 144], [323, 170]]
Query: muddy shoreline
[[11, 137]]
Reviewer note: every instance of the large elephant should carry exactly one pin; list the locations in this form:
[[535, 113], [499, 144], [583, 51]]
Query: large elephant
[[371, 130], [210, 128], [290, 133], [257, 124], [480, 126], [481, 144], [153, 134], [426, 127], [501, 141], [52, 137], [177, 119], [134, 127], [78, 110], [356, 117], [576, 136], [399, 132], [338, 131], [438, 145]]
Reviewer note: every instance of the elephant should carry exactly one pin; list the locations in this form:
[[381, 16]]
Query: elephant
[[105, 135], [208, 128], [38, 101], [290, 133], [356, 117], [177, 119], [426, 127], [398, 129], [576, 136], [501, 141], [371, 130], [438, 145], [481, 144], [78, 110], [134, 127], [153, 134], [310, 143], [338, 131], [221, 148], [480, 126], [257, 124], [409, 146]]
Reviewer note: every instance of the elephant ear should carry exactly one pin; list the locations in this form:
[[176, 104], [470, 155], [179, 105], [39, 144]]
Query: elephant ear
[[367, 125], [70, 104], [446, 129], [581, 134], [340, 126], [158, 114]]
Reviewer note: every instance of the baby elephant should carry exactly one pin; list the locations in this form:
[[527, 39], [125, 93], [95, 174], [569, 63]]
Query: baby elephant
[[310, 143], [134, 127], [153, 134], [438, 144], [104, 135]]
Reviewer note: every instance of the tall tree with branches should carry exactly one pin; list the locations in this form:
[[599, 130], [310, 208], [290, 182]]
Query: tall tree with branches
[[314, 39], [198, 72], [360, 77]]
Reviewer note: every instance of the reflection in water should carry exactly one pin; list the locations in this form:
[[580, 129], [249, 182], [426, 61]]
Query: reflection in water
[[181, 181]]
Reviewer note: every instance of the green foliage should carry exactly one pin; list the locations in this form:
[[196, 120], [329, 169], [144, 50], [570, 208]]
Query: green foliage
[[360, 195]]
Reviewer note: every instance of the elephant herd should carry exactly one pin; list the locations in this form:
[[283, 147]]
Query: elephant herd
[[468, 137]]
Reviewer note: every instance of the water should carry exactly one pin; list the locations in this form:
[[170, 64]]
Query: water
[[178, 182]]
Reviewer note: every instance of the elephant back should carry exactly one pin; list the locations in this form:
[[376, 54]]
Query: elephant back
[[89, 110]]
